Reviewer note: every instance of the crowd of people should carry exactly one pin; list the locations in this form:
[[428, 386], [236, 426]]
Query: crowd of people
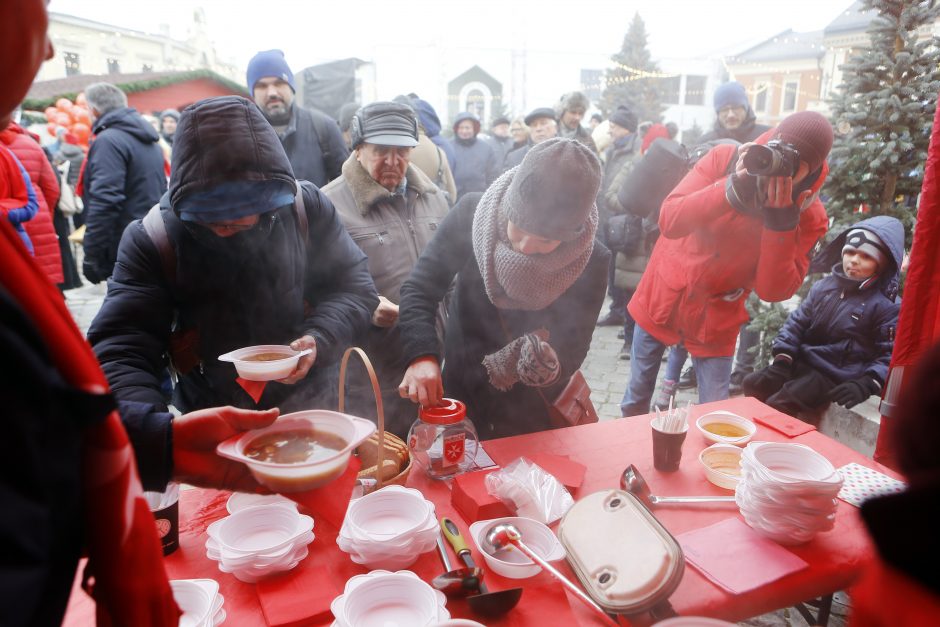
[[474, 267]]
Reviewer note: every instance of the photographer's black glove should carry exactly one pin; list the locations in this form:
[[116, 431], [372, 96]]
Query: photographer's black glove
[[764, 383], [851, 393], [741, 192], [785, 219], [92, 273]]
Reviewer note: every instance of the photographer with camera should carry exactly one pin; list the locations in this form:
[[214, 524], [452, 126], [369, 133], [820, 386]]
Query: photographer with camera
[[723, 236]]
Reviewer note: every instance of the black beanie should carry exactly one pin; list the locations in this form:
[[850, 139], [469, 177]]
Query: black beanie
[[622, 116], [553, 190]]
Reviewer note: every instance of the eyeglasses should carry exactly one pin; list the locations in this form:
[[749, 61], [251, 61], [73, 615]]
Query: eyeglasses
[[264, 223], [729, 109]]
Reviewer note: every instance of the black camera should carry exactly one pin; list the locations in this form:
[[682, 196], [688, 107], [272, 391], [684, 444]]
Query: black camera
[[776, 158]]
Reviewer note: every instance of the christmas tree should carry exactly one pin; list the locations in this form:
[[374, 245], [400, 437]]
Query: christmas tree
[[634, 80], [882, 114]]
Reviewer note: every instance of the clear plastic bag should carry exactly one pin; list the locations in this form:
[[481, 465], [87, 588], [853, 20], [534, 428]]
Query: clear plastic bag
[[528, 490]]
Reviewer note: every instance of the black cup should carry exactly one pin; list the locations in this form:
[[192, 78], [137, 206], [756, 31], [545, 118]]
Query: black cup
[[667, 448], [167, 520]]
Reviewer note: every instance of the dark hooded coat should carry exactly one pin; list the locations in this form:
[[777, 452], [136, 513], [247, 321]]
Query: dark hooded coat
[[123, 179], [840, 330], [232, 292], [477, 161]]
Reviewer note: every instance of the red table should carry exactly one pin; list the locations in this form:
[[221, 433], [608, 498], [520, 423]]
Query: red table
[[834, 557]]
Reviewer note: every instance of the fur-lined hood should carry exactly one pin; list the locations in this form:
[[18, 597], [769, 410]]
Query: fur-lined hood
[[366, 191]]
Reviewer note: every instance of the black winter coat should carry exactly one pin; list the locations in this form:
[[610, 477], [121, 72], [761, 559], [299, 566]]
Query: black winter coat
[[747, 132], [477, 165], [228, 293], [123, 179], [474, 331], [304, 146]]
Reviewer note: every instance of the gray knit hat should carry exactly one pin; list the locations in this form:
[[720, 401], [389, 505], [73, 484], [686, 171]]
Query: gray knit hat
[[553, 190]]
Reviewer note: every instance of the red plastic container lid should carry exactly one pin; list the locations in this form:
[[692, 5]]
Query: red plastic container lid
[[447, 413]]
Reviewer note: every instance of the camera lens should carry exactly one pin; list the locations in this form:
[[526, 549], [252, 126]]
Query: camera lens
[[759, 160]]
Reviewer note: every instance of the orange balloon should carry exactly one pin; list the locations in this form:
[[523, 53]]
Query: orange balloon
[[62, 119], [81, 132], [63, 104], [50, 113], [81, 114], [50, 127], [80, 100]]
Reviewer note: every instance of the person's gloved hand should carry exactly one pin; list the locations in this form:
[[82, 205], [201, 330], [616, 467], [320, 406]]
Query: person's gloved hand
[[741, 192], [764, 383], [92, 272], [781, 212], [851, 393]]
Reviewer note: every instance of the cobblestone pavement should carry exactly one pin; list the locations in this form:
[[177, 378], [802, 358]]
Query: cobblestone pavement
[[607, 375]]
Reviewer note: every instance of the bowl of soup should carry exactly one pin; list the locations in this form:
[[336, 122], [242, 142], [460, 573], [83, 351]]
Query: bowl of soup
[[299, 451], [265, 362], [724, 427]]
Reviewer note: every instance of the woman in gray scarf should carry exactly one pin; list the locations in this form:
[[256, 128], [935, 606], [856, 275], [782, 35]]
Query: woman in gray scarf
[[530, 281]]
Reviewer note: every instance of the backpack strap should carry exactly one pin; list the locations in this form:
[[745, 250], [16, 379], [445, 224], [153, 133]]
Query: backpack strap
[[300, 212], [156, 229], [320, 120]]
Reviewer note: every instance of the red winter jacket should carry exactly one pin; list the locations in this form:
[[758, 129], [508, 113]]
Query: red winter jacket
[[40, 229], [710, 257]]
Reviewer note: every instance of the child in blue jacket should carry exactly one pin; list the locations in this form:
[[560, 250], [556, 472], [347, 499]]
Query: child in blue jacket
[[837, 345]]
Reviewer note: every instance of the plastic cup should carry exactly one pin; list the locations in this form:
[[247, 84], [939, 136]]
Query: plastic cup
[[166, 513], [667, 447]]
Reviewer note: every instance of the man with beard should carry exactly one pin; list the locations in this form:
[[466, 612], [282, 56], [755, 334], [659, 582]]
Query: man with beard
[[392, 210], [311, 139], [571, 109], [735, 118], [237, 254]]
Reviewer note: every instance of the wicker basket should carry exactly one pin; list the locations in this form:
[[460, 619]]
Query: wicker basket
[[387, 440]]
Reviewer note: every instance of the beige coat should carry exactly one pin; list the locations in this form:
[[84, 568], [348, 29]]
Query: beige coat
[[431, 160]]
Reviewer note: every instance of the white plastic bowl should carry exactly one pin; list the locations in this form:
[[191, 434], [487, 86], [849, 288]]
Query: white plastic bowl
[[302, 476], [512, 562], [243, 500], [264, 370], [722, 465], [383, 598], [726, 417], [388, 514], [198, 599], [260, 530]]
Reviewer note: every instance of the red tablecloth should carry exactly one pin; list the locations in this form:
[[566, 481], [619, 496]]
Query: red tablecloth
[[606, 448]]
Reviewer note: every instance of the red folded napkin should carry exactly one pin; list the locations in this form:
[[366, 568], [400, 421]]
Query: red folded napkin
[[302, 596], [330, 502], [787, 425], [737, 558], [568, 472], [254, 388]]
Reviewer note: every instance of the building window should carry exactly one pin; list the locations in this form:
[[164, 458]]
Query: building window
[[695, 89], [790, 90], [669, 90], [761, 96], [113, 66], [72, 66], [146, 67]]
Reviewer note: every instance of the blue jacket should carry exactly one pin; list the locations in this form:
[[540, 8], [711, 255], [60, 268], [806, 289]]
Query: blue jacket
[[124, 178], [17, 216], [840, 330], [427, 116], [477, 162]]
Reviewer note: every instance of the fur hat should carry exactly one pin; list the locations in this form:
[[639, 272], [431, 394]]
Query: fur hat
[[554, 189], [269, 63], [622, 116], [731, 94], [810, 133], [867, 242], [572, 100]]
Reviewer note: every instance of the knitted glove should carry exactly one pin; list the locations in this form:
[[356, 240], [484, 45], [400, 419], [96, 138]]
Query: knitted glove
[[785, 219], [764, 383], [851, 393], [528, 359]]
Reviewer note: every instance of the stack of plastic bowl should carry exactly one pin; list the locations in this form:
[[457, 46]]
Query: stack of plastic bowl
[[787, 491], [256, 542], [200, 602], [388, 528], [382, 599]]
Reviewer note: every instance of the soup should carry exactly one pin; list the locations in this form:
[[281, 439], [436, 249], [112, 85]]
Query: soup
[[295, 446], [267, 357], [725, 430]]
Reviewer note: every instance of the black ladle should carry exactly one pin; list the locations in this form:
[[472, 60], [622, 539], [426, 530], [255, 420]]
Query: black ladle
[[485, 603], [456, 582]]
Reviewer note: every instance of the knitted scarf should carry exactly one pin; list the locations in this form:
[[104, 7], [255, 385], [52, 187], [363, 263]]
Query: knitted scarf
[[514, 280]]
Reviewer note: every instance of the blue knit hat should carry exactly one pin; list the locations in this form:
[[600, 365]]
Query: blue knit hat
[[730, 94], [269, 63]]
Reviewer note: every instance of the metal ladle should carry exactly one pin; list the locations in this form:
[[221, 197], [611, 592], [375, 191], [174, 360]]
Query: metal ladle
[[632, 481], [457, 582], [502, 536]]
